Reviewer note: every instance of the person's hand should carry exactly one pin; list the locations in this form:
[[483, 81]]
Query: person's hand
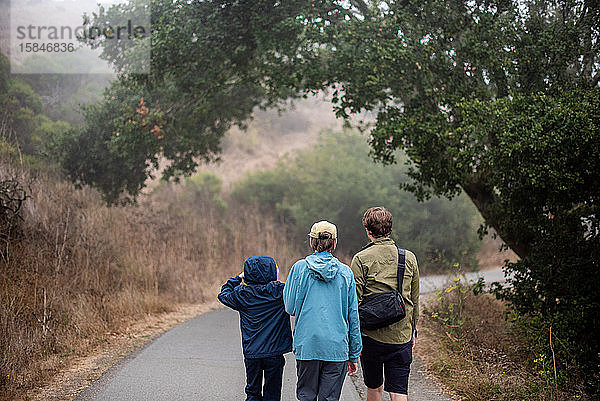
[[352, 368]]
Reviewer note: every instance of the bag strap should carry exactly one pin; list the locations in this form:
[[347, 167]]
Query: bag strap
[[401, 268]]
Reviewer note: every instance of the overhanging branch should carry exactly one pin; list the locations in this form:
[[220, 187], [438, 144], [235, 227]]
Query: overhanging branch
[[361, 5], [596, 80]]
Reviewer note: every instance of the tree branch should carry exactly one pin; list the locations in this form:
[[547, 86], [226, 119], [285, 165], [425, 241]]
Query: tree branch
[[596, 80], [483, 199], [361, 5]]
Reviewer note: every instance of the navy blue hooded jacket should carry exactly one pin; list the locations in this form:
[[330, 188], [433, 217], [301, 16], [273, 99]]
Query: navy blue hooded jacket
[[264, 323]]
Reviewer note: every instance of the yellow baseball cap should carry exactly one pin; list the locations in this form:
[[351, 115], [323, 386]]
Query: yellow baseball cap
[[323, 227]]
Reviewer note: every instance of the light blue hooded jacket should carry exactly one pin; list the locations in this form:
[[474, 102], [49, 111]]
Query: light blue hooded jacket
[[321, 293]]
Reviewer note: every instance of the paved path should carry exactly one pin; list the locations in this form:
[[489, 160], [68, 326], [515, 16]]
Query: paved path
[[433, 283], [202, 360]]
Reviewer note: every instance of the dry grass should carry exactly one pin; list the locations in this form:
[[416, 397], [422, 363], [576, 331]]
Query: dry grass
[[490, 361], [81, 271]]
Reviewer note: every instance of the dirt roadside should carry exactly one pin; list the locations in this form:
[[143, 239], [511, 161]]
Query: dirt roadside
[[81, 371]]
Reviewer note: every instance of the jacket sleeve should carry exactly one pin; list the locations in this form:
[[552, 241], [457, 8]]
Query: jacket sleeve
[[414, 293], [228, 296], [359, 277], [290, 292], [354, 335]]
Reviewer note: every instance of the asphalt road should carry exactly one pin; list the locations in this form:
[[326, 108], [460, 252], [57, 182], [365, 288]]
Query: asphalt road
[[430, 284], [201, 359]]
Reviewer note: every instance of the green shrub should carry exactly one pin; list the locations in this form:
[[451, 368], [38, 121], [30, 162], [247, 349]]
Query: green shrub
[[204, 188]]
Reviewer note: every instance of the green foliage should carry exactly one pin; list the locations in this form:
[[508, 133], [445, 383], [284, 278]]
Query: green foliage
[[24, 122], [543, 167], [536, 332], [119, 145], [557, 286], [7, 151], [547, 186], [336, 180], [63, 93], [418, 62], [21, 107], [4, 73]]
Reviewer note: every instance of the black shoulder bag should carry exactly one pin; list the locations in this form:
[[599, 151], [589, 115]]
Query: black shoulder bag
[[384, 308]]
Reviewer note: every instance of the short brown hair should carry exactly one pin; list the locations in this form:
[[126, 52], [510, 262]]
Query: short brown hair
[[378, 220], [325, 243]]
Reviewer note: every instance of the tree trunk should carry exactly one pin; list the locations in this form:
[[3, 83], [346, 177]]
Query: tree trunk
[[483, 199]]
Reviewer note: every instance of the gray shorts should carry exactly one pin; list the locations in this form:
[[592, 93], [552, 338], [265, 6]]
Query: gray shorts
[[320, 379]]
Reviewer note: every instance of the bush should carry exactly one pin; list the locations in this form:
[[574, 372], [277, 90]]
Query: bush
[[556, 287], [545, 174], [336, 180], [204, 189]]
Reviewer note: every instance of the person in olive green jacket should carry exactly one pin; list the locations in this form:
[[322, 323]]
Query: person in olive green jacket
[[387, 350]]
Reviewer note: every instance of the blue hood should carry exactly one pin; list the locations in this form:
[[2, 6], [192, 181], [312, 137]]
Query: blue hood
[[260, 270], [323, 265]]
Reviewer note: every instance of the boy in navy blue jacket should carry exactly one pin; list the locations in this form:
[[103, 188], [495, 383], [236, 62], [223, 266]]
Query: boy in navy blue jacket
[[266, 332]]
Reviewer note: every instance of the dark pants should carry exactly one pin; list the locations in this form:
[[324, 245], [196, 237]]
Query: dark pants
[[272, 370], [320, 380]]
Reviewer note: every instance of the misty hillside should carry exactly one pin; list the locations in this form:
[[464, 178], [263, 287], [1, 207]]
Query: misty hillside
[[270, 135]]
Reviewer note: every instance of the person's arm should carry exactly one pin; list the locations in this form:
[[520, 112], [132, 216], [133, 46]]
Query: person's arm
[[227, 296], [290, 292], [359, 277], [414, 293], [354, 335]]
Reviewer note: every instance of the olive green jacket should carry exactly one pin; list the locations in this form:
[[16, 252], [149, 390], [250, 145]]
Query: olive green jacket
[[375, 270]]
